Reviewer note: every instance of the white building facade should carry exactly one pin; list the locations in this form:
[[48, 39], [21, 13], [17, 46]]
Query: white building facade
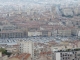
[[66, 55], [27, 47]]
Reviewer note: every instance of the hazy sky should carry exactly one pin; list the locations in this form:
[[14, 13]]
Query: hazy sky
[[39, 1]]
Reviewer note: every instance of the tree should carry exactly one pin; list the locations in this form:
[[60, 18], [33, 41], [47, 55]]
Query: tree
[[4, 51]]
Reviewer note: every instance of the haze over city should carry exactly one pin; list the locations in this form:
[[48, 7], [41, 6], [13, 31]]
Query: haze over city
[[39, 29]]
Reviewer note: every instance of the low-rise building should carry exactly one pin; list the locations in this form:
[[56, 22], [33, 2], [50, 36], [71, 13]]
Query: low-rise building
[[45, 56], [3, 57], [12, 48], [34, 33], [64, 32], [46, 33], [23, 56]]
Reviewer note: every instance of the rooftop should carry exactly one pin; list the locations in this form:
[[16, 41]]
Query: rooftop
[[69, 50], [20, 56]]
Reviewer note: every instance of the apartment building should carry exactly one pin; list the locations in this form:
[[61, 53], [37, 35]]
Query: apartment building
[[26, 47], [65, 32], [69, 54], [13, 34], [34, 33]]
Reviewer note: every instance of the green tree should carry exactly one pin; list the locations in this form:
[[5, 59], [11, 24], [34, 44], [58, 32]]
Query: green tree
[[4, 51]]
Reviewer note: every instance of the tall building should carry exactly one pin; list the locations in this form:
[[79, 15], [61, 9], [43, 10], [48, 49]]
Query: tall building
[[26, 47]]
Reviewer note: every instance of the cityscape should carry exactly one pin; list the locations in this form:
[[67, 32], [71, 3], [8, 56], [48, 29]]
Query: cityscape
[[40, 30]]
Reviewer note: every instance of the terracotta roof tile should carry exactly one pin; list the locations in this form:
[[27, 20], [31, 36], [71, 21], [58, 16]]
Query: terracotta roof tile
[[21, 56]]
